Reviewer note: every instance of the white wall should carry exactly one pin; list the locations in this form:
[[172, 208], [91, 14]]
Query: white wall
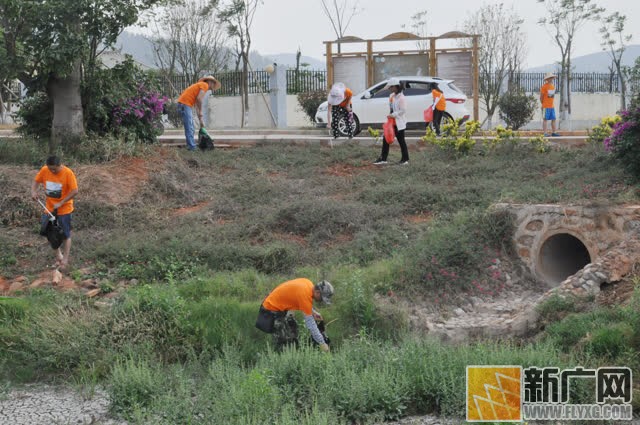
[[225, 112], [587, 110]]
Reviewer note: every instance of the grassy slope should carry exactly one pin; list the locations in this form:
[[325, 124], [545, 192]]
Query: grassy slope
[[260, 216]]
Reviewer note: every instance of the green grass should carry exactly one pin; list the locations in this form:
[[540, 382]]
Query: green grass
[[181, 346]]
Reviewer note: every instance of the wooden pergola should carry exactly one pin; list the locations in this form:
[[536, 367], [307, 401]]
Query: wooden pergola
[[433, 51]]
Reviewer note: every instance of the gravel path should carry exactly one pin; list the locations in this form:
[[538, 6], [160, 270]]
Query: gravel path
[[49, 405]]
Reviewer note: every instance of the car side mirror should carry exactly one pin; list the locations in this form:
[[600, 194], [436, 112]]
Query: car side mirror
[[367, 95]]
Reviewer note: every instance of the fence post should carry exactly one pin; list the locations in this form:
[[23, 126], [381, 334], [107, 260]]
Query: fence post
[[278, 95]]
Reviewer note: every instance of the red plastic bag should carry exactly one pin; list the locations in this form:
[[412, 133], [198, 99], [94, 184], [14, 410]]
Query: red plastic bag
[[428, 114], [389, 132]]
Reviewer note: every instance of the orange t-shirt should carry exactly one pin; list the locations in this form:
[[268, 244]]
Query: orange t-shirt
[[189, 95], [57, 187], [442, 103], [547, 102], [348, 94], [296, 294]]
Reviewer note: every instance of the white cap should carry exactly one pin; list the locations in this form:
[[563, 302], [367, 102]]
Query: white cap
[[392, 82], [336, 95]]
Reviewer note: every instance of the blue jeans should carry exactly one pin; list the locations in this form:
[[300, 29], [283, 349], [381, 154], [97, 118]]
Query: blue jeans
[[187, 121]]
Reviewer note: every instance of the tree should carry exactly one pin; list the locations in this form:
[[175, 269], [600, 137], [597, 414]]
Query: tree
[[189, 39], [238, 16], [614, 41], [340, 14], [49, 42], [564, 19], [500, 51]]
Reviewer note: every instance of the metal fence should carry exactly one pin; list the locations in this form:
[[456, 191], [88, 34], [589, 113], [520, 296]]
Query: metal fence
[[581, 82], [305, 81], [231, 83], [314, 80], [297, 82]]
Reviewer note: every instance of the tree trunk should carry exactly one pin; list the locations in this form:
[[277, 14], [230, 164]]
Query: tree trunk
[[67, 107], [623, 87], [2, 108], [245, 90]]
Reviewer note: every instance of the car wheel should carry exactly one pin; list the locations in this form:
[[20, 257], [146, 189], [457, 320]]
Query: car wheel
[[344, 122]]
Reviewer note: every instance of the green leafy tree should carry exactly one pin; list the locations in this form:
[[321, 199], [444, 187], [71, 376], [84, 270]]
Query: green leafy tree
[[49, 45]]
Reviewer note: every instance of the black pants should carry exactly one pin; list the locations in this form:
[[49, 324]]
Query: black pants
[[437, 119], [339, 113], [403, 146]]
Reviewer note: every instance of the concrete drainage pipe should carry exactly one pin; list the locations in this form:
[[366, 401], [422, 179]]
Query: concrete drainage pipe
[[561, 255]]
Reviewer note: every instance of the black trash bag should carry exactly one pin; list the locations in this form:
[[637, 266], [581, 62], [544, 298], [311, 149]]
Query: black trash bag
[[265, 320], [323, 332], [205, 142], [53, 231]]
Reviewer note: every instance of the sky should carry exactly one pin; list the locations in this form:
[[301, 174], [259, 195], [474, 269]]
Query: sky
[[283, 26]]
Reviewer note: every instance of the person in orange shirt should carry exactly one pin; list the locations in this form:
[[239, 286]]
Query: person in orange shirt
[[439, 106], [275, 315], [192, 97], [60, 188], [339, 109], [547, 94]]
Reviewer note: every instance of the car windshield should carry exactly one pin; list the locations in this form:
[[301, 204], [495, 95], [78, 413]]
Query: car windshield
[[379, 91]]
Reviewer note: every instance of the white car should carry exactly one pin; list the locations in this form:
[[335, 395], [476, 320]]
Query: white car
[[371, 107]]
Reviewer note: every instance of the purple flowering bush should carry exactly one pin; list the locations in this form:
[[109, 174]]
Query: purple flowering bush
[[624, 142], [139, 116], [124, 101]]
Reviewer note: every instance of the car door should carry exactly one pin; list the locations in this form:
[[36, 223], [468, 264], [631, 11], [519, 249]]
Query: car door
[[418, 96], [375, 109]]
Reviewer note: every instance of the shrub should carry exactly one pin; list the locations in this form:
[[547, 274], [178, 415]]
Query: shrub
[[516, 108], [139, 116], [611, 341], [598, 133], [309, 101], [35, 115], [623, 142], [452, 141], [134, 385], [540, 144]]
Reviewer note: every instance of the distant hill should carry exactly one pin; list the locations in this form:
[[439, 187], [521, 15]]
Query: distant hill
[[594, 62], [139, 46]]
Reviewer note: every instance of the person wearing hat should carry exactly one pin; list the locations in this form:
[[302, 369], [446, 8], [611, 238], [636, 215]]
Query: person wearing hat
[[547, 94], [192, 97], [398, 111], [275, 315], [339, 101]]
